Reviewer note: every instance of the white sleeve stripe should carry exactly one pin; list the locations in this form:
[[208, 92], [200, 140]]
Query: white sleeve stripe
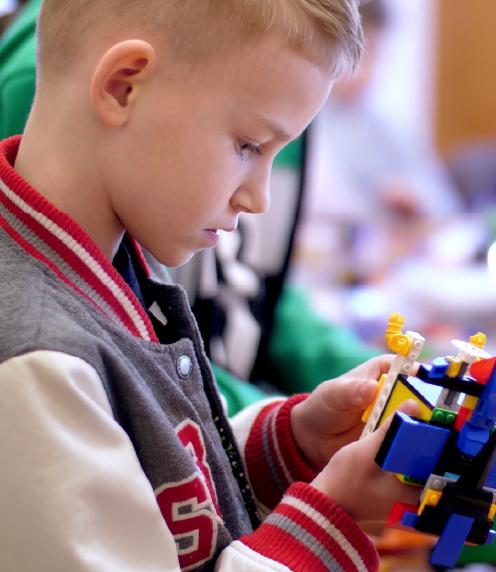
[[320, 520], [273, 422]]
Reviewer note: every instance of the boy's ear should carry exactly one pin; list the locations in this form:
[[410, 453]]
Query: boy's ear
[[118, 79]]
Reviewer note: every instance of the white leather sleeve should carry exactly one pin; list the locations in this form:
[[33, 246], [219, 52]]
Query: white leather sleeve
[[243, 421], [73, 496]]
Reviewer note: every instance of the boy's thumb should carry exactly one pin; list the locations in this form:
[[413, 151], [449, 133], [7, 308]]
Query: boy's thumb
[[379, 434], [410, 407]]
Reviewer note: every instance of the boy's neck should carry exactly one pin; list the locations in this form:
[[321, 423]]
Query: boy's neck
[[61, 168]]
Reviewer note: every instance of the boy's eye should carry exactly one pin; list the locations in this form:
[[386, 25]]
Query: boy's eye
[[250, 148]]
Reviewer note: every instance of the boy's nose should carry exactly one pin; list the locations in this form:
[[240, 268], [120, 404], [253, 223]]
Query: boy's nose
[[253, 196]]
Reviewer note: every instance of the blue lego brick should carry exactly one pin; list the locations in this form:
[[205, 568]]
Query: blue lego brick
[[439, 367], [450, 543], [412, 447], [409, 519], [471, 439], [491, 476]]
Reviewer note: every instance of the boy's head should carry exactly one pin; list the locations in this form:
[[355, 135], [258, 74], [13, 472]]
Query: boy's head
[[172, 111], [326, 31]]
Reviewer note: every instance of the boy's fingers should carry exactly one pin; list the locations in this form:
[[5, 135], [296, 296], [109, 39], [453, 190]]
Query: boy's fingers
[[410, 407], [346, 395], [381, 364], [365, 394], [375, 439]]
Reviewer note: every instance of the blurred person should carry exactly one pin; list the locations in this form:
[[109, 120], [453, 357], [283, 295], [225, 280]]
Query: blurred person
[[473, 168], [374, 194]]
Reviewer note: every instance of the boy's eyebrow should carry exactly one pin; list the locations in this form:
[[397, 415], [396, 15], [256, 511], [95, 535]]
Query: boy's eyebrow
[[278, 131]]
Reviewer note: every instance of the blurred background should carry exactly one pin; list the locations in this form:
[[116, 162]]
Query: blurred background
[[402, 213]]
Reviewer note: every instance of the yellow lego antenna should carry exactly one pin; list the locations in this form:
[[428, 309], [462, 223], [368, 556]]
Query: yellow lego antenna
[[407, 348], [479, 340], [397, 341]]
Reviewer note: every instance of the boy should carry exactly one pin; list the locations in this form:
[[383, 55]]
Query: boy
[[286, 345], [159, 120]]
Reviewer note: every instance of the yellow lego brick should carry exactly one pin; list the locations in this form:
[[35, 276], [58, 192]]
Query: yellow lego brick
[[395, 323], [431, 498], [470, 401], [397, 341], [368, 411], [400, 344], [399, 395], [492, 512], [455, 365], [478, 340]]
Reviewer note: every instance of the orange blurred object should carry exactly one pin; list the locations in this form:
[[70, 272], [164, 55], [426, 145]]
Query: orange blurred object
[[398, 541]]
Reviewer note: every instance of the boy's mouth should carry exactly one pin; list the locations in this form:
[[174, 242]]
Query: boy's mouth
[[219, 230], [211, 237]]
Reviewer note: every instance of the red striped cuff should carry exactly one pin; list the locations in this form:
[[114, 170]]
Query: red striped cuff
[[308, 531], [273, 458]]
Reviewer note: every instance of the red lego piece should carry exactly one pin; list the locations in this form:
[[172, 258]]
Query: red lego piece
[[463, 415], [481, 370], [397, 512]]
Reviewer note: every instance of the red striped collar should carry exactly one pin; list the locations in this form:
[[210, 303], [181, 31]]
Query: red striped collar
[[53, 238]]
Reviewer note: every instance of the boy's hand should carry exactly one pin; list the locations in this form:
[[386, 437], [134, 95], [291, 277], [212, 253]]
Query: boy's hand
[[331, 416], [353, 479]]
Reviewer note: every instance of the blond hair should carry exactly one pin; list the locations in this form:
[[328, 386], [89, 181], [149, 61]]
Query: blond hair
[[327, 31]]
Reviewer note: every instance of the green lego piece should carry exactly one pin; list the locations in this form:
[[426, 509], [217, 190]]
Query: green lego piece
[[412, 480], [443, 416]]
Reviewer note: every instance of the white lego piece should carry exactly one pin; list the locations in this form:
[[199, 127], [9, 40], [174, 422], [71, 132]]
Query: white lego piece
[[402, 365]]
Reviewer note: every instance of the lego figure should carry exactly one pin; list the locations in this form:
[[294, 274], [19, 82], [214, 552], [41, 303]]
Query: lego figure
[[450, 449]]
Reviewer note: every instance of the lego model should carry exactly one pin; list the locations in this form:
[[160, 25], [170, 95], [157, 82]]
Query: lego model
[[450, 449]]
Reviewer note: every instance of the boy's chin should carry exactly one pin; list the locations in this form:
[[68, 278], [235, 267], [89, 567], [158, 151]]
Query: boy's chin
[[176, 260]]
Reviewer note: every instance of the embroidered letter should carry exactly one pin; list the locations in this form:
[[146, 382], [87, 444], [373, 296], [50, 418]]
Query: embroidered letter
[[190, 507]]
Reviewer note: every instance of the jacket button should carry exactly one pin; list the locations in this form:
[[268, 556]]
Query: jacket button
[[184, 367]]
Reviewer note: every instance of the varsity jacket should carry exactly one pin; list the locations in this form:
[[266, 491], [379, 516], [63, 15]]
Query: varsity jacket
[[116, 453]]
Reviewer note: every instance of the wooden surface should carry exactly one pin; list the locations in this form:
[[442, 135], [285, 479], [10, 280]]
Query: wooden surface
[[465, 92]]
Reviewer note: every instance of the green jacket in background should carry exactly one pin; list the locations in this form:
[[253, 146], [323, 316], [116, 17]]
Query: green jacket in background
[[18, 70]]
